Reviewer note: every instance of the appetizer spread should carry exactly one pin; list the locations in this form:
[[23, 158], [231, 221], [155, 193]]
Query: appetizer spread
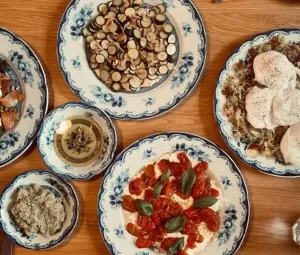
[[36, 210], [78, 141], [10, 99], [131, 45], [263, 100], [172, 205]]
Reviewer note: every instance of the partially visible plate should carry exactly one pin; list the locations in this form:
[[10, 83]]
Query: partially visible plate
[[27, 72], [59, 187], [81, 79], [262, 163], [235, 212]]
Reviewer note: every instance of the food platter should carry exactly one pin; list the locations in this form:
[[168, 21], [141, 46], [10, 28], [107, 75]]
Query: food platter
[[264, 164], [28, 74], [235, 213], [163, 97]]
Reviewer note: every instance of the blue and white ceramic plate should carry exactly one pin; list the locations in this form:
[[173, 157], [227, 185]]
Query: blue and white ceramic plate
[[28, 75], [60, 188], [46, 136], [262, 163], [234, 214], [74, 65]]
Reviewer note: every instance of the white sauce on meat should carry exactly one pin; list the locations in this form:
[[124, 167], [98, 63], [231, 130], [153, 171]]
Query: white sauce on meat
[[286, 107], [259, 108], [290, 145], [202, 229], [273, 69]]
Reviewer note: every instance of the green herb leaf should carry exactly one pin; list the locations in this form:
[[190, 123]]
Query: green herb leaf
[[165, 176], [157, 189], [187, 181], [175, 224], [204, 202], [176, 247], [144, 207]]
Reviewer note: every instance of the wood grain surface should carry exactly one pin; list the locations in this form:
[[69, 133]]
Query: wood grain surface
[[275, 202]]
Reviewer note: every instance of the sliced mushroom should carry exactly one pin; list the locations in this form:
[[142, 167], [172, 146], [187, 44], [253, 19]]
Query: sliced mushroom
[[171, 49], [163, 70], [168, 28], [116, 76], [100, 59]]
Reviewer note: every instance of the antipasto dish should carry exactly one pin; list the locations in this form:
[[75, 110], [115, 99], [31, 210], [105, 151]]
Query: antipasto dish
[[263, 101], [10, 99], [172, 205], [131, 45]]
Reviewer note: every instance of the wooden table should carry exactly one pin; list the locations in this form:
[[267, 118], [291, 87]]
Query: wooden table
[[275, 202]]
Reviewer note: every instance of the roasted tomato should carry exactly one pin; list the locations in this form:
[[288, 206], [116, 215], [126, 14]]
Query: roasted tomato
[[168, 189], [133, 229], [192, 214], [201, 167], [146, 223], [190, 228], [167, 208], [142, 242], [211, 219], [214, 193], [148, 181], [136, 186], [149, 195], [184, 160], [177, 169], [164, 165], [167, 243], [193, 239], [149, 171], [159, 234], [202, 186], [128, 203]]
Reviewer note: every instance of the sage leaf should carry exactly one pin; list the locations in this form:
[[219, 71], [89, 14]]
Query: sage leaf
[[176, 247], [175, 224], [204, 202], [187, 181], [157, 189], [144, 207], [165, 176]]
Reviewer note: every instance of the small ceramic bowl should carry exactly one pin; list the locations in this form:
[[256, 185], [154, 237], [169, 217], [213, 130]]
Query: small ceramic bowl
[[60, 188], [53, 121]]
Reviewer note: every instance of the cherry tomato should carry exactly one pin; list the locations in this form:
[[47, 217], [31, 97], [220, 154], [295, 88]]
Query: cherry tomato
[[163, 165], [142, 242], [128, 203], [148, 181], [201, 167], [193, 239], [211, 219], [202, 186], [167, 243], [149, 195], [168, 189], [149, 171], [132, 229], [184, 160], [146, 223], [214, 192], [177, 169], [190, 228], [136, 186]]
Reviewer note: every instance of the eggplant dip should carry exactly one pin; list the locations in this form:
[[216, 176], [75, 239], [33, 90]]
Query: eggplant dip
[[37, 211]]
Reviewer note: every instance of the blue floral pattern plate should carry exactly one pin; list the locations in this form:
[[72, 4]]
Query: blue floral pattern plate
[[46, 136], [234, 214], [184, 78], [262, 163], [59, 187], [29, 76]]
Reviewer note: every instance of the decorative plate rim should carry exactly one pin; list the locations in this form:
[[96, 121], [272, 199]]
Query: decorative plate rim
[[169, 134], [15, 155], [288, 173], [68, 231], [161, 110], [112, 128]]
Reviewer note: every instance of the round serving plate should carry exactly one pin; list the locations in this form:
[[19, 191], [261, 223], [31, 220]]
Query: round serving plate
[[234, 213], [29, 77], [263, 164], [47, 133], [179, 84], [59, 187]]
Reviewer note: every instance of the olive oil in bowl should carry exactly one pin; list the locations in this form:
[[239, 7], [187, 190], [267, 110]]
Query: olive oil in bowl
[[78, 141]]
